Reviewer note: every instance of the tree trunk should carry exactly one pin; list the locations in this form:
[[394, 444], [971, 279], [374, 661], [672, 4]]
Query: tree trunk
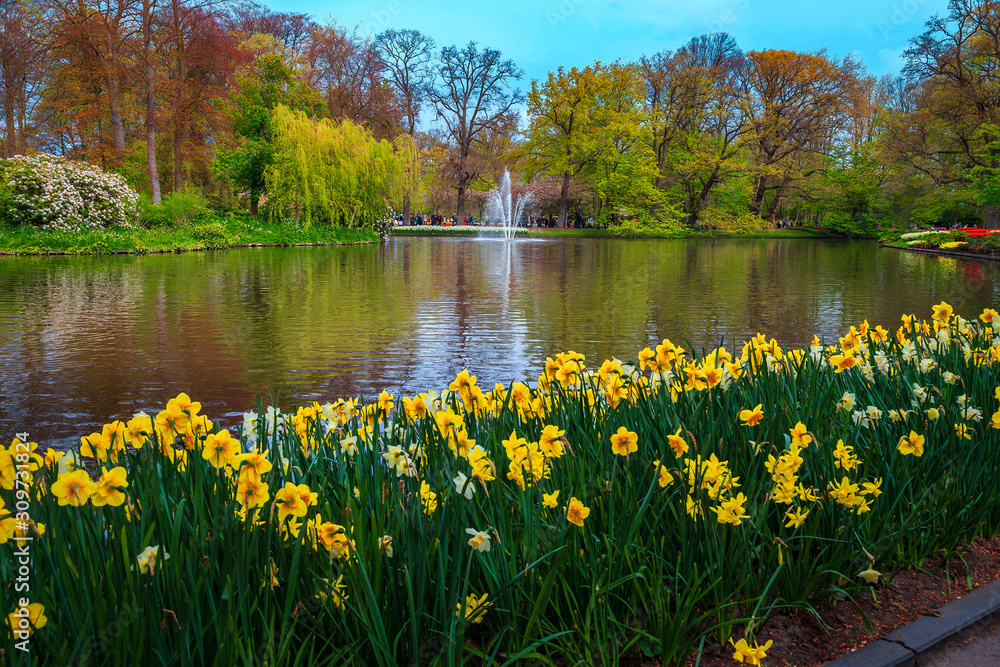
[[179, 140], [774, 207], [21, 132], [154, 172], [254, 199], [758, 199], [178, 122], [463, 180], [8, 110], [180, 127], [990, 217], [406, 209], [147, 39], [563, 199], [115, 105], [699, 204]]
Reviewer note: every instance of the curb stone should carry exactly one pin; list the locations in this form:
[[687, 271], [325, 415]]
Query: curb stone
[[913, 642]]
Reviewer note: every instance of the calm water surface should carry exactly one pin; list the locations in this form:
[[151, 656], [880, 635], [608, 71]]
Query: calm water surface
[[86, 340]]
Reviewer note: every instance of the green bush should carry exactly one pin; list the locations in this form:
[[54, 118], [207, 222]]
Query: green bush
[[748, 223], [842, 223], [737, 223], [644, 224], [179, 209], [213, 235], [153, 216], [6, 201]]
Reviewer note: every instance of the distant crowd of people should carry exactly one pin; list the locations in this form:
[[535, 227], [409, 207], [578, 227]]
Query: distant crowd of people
[[578, 222], [575, 222]]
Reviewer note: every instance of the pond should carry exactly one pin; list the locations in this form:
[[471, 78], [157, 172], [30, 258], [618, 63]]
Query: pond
[[84, 340]]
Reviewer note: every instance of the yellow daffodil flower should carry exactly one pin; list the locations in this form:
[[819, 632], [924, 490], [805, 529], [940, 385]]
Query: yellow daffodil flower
[[576, 512], [914, 444], [624, 442], [110, 488], [752, 417], [73, 488]]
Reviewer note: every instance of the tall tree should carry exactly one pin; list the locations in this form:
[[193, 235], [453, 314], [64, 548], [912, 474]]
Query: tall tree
[[697, 122], [292, 29], [23, 58], [149, 79], [472, 94], [952, 134], [796, 103], [348, 71], [407, 55], [98, 32], [561, 136], [199, 59], [625, 169], [681, 87], [269, 80], [332, 171]]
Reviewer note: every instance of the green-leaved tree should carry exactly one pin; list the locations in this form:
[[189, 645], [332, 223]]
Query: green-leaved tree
[[334, 172], [270, 80]]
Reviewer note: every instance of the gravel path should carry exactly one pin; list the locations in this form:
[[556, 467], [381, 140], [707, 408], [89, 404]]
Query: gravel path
[[979, 649]]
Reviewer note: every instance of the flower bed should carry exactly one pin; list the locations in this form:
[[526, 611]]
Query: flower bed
[[967, 241], [975, 232], [642, 510]]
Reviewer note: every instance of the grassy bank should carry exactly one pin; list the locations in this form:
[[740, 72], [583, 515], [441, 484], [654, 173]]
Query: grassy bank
[[622, 513], [214, 233]]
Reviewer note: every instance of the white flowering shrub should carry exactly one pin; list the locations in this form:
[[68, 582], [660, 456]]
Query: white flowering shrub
[[51, 191], [383, 224]]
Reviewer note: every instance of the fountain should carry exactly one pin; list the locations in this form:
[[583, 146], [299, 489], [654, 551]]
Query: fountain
[[501, 207]]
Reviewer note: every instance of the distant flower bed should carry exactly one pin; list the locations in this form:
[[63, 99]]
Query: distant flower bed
[[639, 509], [974, 241], [51, 191], [913, 235]]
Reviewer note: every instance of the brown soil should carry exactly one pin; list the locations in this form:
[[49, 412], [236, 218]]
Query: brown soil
[[800, 640]]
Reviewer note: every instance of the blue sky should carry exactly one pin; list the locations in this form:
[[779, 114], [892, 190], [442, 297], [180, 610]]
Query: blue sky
[[541, 35]]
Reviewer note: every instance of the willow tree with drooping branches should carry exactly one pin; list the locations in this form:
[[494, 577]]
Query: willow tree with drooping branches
[[332, 172]]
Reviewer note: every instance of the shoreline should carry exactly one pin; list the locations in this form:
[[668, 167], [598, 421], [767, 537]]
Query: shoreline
[[937, 251], [138, 241], [556, 232], [229, 234], [175, 251], [220, 233]]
